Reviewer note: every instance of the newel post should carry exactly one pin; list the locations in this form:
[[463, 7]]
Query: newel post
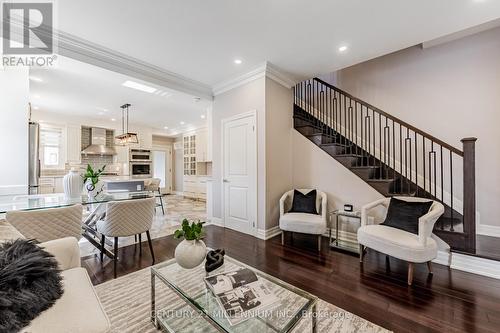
[[469, 200]]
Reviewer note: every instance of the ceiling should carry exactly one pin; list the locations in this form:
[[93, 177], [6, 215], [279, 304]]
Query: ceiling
[[200, 39], [75, 88]]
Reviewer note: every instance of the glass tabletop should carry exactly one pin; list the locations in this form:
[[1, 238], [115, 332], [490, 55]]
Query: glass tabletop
[[55, 200], [190, 284]]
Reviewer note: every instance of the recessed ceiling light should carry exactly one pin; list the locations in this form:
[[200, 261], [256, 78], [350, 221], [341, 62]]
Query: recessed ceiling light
[[238, 61], [113, 119], [139, 86], [182, 123], [202, 116], [35, 78], [165, 127], [36, 107], [343, 48]]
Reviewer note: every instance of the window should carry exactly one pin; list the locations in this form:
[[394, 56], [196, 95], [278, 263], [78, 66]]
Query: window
[[51, 147]]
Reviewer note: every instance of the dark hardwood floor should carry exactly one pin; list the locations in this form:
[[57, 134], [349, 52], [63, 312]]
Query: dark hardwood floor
[[447, 301]]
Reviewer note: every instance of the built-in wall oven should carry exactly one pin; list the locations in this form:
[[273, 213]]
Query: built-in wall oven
[[140, 163], [140, 169], [140, 155]]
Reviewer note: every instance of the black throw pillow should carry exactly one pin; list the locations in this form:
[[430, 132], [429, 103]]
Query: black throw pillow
[[404, 215], [30, 282], [304, 203]]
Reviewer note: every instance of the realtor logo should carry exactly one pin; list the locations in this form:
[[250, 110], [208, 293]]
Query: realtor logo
[[27, 28], [28, 34]]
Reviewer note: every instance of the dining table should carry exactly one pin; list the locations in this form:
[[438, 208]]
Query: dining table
[[94, 208]]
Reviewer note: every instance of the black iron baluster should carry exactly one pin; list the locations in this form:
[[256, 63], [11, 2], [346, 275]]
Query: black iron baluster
[[442, 174], [451, 190], [401, 157], [423, 164], [416, 163]]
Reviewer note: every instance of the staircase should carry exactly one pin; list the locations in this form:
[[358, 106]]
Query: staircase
[[392, 156]]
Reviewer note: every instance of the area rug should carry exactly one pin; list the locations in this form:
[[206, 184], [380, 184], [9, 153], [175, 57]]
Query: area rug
[[127, 301]]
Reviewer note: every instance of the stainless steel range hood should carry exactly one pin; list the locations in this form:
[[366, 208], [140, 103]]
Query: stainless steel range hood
[[98, 143]]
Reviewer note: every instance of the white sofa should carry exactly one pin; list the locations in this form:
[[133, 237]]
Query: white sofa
[[79, 308], [302, 222], [399, 243]]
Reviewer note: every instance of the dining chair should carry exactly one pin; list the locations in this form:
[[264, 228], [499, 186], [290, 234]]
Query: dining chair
[[153, 185], [124, 219], [48, 224]]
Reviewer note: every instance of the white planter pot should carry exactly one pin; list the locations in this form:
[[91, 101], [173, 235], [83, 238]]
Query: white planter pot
[[72, 184], [190, 253]]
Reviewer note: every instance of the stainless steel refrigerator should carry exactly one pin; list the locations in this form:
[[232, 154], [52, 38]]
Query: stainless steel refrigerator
[[34, 158]]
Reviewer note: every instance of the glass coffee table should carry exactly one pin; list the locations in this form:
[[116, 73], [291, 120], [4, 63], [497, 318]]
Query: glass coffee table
[[195, 308]]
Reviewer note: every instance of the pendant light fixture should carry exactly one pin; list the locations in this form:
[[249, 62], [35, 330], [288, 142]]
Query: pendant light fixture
[[126, 137]]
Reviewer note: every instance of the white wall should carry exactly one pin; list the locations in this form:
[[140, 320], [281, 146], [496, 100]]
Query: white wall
[[179, 168], [451, 91], [245, 98], [279, 127], [14, 92]]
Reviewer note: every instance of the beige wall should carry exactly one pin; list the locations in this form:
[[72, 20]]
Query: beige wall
[[314, 168], [245, 98], [451, 91], [279, 127]]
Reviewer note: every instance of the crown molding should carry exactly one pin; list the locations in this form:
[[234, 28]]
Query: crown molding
[[83, 50], [263, 70]]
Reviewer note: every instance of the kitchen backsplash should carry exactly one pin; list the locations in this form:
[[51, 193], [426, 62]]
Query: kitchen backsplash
[[97, 161]]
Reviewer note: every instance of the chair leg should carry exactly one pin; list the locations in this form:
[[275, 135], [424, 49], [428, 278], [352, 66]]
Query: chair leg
[[150, 246], [429, 266], [410, 273], [319, 243], [103, 239], [282, 238], [361, 253], [115, 256], [140, 244], [161, 202]]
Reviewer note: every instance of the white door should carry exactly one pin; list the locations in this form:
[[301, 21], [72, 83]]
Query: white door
[[240, 173], [162, 160]]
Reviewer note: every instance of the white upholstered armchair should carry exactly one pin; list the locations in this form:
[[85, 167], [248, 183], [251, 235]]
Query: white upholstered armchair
[[302, 222], [399, 243]]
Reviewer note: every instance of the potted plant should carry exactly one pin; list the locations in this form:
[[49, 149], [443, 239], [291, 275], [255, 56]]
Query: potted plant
[[192, 250], [91, 180]]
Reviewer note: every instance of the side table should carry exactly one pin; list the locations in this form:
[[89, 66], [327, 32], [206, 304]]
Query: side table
[[337, 243]]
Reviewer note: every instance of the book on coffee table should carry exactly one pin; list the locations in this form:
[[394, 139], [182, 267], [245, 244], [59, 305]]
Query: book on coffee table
[[241, 294]]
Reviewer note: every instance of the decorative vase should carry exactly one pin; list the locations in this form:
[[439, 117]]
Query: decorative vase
[[93, 190], [190, 253], [72, 184]]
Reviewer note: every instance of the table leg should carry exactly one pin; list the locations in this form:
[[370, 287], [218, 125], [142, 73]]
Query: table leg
[[314, 319], [153, 299], [337, 230]]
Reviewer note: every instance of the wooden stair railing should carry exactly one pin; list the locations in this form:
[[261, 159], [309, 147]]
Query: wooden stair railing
[[392, 156]]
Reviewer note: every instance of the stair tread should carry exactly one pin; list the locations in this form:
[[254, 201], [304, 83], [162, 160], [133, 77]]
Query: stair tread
[[334, 144], [365, 167], [386, 180]]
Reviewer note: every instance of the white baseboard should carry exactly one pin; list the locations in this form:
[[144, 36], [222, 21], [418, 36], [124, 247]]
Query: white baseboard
[[476, 265], [216, 221], [268, 233], [488, 230], [443, 258]]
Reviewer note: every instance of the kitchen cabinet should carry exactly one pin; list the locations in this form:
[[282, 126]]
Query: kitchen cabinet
[[49, 185], [195, 187], [202, 145], [122, 154], [73, 144]]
